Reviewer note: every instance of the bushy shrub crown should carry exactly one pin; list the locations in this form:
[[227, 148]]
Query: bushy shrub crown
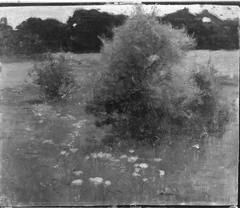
[[145, 93], [54, 77]]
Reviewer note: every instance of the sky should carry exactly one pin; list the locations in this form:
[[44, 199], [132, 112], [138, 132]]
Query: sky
[[16, 15]]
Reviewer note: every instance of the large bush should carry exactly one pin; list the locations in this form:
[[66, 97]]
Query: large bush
[[144, 93]]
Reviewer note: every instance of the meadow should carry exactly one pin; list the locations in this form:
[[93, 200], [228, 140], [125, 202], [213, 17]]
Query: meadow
[[51, 154]]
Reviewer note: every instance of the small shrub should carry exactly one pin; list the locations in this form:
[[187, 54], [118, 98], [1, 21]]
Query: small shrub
[[54, 77], [212, 112]]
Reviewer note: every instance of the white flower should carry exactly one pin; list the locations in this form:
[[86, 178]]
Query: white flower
[[136, 165], [132, 159], [104, 155], [47, 141], [77, 182], [96, 181], [100, 154], [70, 145], [196, 146], [107, 155], [107, 183], [123, 156], [63, 117], [137, 170], [131, 151], [145, 179], [94, 155], [157, 159], [153, 58], [63, 152], [78, 173], [137, 48], [71, 117], [87, 157], [74, 150], [143, 165], [135, 174], [76, 133], [161, 173], [67, 154], [78, 124], [113, 159]]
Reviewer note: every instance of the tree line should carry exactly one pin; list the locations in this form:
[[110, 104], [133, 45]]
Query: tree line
[[210, 32], [80, 34]]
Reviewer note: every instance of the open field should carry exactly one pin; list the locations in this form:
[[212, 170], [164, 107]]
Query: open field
[[50, 153], [226, 62]]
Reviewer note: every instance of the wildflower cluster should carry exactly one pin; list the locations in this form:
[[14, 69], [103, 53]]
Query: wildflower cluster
[[94, 181], [100, 155], [98, 181]]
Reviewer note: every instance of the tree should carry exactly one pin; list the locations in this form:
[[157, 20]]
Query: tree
[[6, 37], [55, 34], [36, 35], [214, 34], [28, 36], [86, 26]]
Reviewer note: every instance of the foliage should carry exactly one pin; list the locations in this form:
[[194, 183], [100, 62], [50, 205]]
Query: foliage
[[54, 77], [211, 112], [86, 25], [138, 60], [80, 33], [36, 35], [144, 93], [211, 35], [6, 40]]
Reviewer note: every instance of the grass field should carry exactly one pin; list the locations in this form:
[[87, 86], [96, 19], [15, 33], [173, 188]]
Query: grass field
[[51, 153]]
